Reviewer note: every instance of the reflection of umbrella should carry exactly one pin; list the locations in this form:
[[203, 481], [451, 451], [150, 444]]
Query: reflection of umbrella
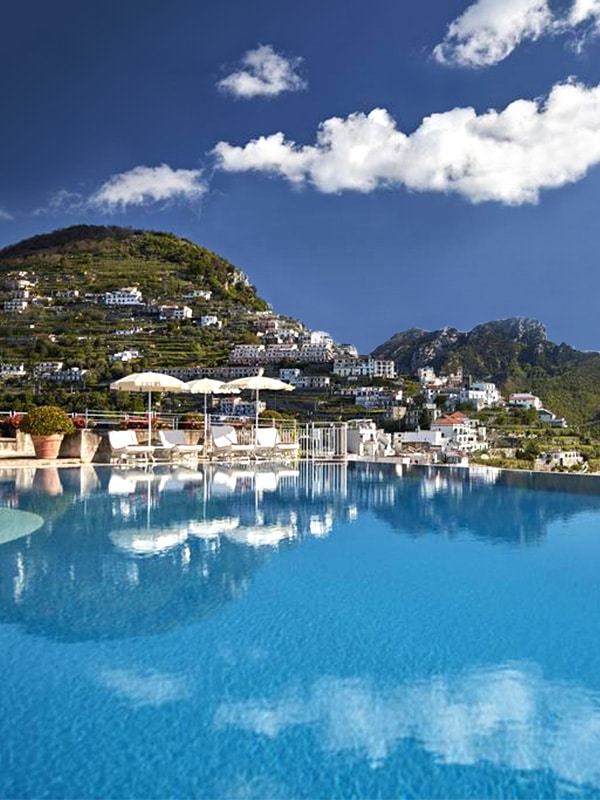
[[14, 524], [149, 382], [146, 542], [265, 535], [257, 383], [208, 386], [212, 528]]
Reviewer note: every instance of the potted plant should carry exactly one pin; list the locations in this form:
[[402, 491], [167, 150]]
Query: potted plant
[[47, 425]]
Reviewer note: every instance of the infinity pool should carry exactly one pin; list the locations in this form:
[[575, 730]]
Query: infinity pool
[[314, 633]]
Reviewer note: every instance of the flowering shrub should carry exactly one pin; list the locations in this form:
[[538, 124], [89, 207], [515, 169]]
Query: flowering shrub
[[135, 423], [10, 425], [81, 422]]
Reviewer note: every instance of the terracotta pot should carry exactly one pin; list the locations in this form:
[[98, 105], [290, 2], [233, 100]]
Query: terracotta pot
[[47, 446]]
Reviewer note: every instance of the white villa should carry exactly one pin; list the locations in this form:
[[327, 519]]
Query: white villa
[[210, 320], [461, 433], [175, 312], [480, 394], [128, 296], [525, 400]]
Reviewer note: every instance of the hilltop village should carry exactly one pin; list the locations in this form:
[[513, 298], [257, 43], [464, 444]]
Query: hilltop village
[[425, 418], [84, 306]]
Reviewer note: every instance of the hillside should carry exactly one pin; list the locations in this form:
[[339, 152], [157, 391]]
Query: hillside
[[100, 258], [514, 353], [65, 274]]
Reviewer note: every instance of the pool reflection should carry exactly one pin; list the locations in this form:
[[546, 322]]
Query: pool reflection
[[503, 715], [132, 552]]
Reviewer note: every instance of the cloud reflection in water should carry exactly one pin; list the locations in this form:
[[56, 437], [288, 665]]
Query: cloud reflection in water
[[507, 715]]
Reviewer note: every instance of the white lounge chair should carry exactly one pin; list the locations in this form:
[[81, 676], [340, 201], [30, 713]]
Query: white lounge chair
[[269, 444], [176, 443], [124, 446], [225, 443]]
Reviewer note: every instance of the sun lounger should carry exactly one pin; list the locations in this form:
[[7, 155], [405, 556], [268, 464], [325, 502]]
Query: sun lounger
[[177, 445], [124, 446], [225, 443], [269, 445]]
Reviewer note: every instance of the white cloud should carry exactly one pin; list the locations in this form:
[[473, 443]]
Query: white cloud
[[145, 185], [264, 73], [506, 156], [585, 11], [489, 30], [62, 201], [507, 715], [4, 215]]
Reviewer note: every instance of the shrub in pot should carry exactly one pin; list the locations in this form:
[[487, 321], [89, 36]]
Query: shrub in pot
[[47, 425]]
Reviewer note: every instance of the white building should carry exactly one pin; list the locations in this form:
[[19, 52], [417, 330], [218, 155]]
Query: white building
[[124, 356], [315, 354], [347, 350], [377, 397], [246, 354], [45, 368], [560, 458], [311, 381], [210, 320], [67, 294], [364, 367], [427, 377], [198, 294], [175, 312], [236, 407], [274, 353], [69, 375], [480, 394], [544, 415], [12, 370], [432, 438], [317, 338], [289, 374], [16, 305], [461, 433], [128, 296], [525, 400]]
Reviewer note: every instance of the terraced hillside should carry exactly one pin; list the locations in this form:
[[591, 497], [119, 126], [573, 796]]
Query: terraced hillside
[[71, 268]]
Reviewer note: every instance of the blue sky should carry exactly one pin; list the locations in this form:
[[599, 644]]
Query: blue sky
[[371, 166]]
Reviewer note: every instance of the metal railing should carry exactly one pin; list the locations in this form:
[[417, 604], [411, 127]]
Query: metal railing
[[318, 441], [324, 441]]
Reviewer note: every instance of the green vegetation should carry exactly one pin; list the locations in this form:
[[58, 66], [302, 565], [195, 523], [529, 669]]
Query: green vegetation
[[63, 321], [513, 353], [46, 421]]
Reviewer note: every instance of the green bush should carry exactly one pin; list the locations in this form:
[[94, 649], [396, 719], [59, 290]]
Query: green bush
[[47, 420]]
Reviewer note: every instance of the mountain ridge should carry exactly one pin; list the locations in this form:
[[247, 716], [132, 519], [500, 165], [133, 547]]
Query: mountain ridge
[[514, 353]]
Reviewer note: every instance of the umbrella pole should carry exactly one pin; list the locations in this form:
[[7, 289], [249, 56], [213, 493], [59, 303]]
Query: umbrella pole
[[205, 426], [256, 427], [149, 418]]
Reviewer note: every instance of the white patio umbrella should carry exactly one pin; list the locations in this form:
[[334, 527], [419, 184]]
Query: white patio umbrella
[[258, 383], [149, 382], [208, 386]]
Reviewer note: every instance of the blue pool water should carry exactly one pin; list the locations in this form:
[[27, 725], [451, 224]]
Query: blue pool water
[[314, 633]]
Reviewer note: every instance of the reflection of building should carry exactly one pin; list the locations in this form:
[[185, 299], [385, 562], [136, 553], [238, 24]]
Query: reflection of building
[[201, 534]]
